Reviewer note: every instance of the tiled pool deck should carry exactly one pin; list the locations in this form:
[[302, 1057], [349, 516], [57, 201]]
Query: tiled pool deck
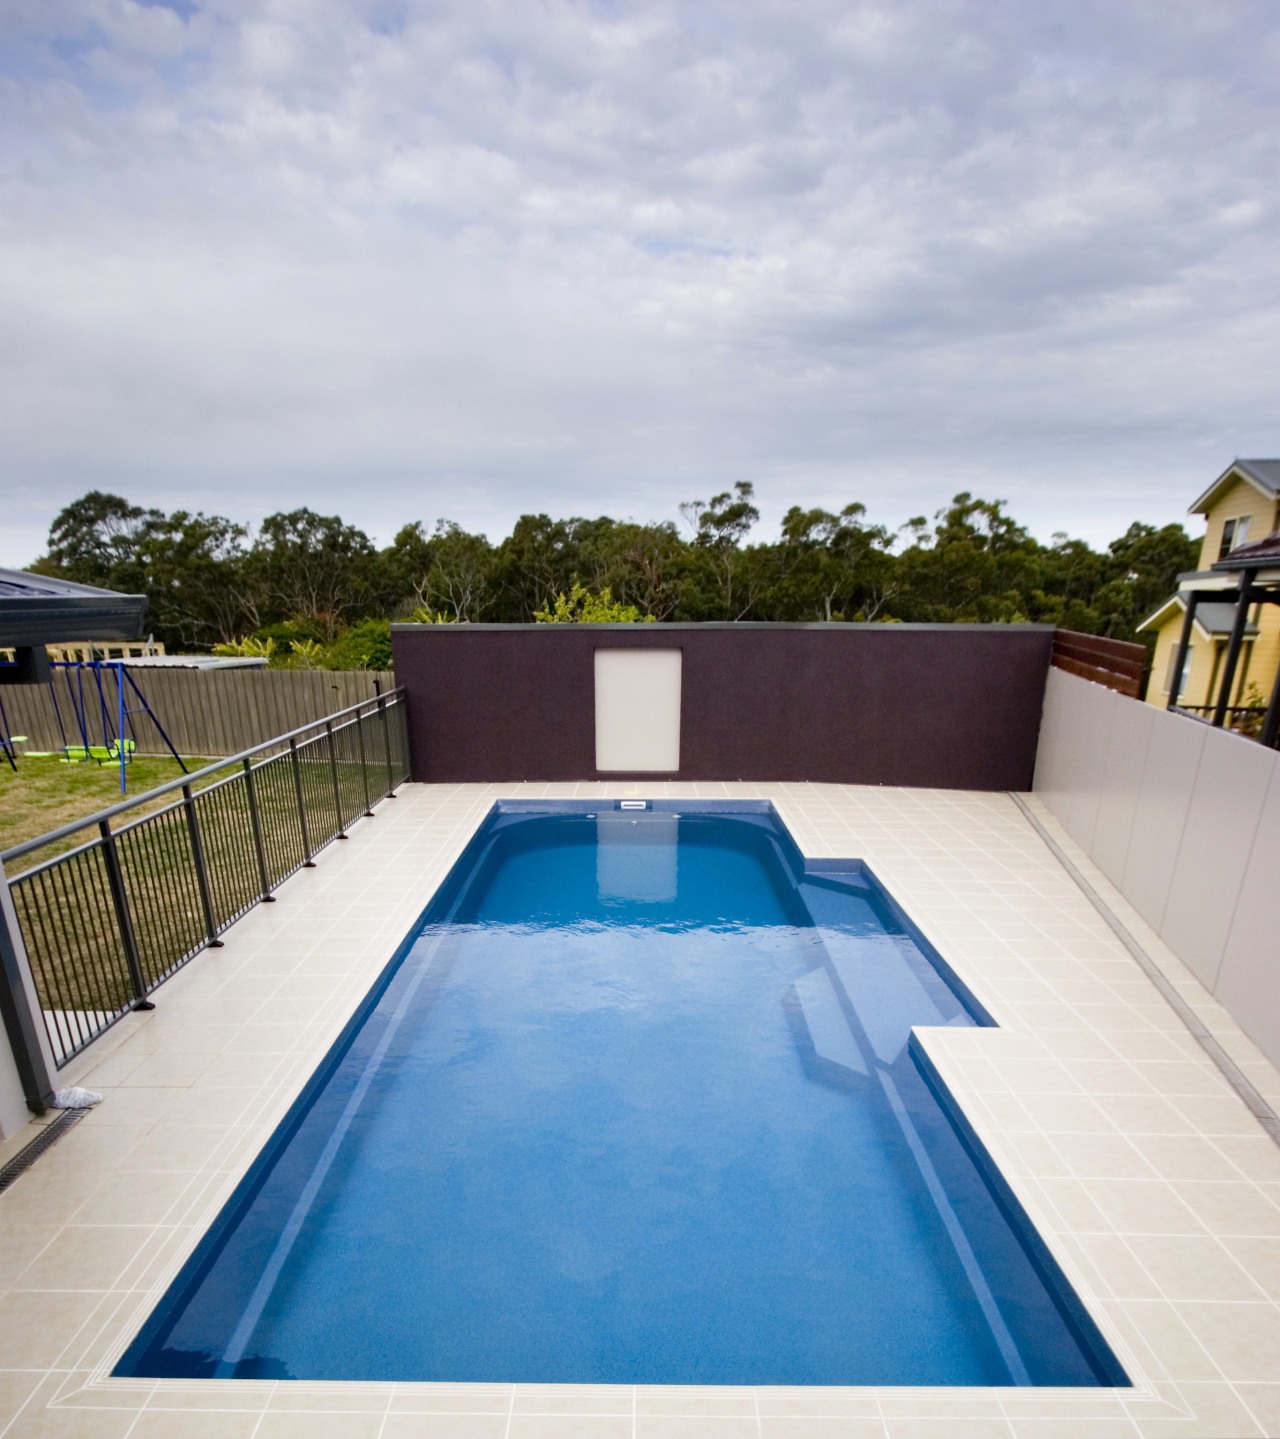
[[1150, 1180]]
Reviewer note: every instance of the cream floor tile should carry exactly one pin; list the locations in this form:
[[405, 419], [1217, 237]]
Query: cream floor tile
[[1192, 1267], [1144, 1206], [693, 1399], [445, 1426], [319, 1426], [1242, 1339], [40, 1422], [972, 1427], [16, 1387], [568, 1426], [1199, 1409], [191, 1149], [37, 1327], [84, 1257], [131, 1198], [656, 1426], [1263, 1401], [1234, 1207], [1260, 1260], [224, 1424]]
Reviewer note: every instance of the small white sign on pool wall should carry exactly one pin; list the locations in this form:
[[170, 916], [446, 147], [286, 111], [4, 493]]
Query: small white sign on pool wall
[[638, 710]]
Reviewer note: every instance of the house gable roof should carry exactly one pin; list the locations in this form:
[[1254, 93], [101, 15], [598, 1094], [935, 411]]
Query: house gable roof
[[1263, 475], [1213, 617]]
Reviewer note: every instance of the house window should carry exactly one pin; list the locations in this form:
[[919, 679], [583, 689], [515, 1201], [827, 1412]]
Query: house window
[[1234, 534], [1186, 671]]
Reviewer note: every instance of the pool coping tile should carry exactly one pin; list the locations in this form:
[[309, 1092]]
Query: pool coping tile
[[193, 1090]]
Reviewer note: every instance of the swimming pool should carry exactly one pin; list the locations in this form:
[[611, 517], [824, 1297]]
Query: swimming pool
[[636, 1102]]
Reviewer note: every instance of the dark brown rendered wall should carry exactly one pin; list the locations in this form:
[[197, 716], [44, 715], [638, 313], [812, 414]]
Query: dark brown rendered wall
[[945, 706]]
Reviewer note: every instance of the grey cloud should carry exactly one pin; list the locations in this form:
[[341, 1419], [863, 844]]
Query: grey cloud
[[468, 259]]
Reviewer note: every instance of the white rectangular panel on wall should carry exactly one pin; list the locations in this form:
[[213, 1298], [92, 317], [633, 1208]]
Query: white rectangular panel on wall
[[638, 710]]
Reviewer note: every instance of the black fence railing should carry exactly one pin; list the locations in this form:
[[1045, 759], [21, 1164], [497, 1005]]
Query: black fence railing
[[136, 895], [1247, 720]]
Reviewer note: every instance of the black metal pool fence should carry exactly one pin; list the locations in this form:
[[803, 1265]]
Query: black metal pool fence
[[135, 896]]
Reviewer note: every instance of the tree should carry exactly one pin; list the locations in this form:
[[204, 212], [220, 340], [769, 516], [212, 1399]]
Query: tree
[[720, 525], [1145, 563], [95, 540], [833, 566], [644, 565], [977, 565], [318, 569], [537, 560], [581, 607], [458, 581], [194, 567]]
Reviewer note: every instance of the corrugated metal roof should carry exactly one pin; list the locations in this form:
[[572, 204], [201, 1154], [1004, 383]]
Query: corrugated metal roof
[[1261, 554], [1217, 618], [41, 610]]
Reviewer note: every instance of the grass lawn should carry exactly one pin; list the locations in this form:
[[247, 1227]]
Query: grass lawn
[[45, 794], [67, 912]]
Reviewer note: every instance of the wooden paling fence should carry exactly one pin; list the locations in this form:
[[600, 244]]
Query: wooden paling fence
[[205, 712], [1117, 664]]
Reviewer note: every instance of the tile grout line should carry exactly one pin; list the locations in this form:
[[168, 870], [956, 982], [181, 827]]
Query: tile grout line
[[1229, 1069]]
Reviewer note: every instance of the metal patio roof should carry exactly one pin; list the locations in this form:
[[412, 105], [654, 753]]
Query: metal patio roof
[[41, 610]]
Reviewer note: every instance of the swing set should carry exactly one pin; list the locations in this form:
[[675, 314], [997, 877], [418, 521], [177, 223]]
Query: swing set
[[7, 740], [115, 711]]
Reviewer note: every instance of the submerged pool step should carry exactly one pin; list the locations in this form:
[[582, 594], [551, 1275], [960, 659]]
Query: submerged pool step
[[824, 1018], [876, 982], [840, 882]]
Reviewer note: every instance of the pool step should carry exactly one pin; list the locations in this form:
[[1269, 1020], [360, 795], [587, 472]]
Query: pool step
[[824, 1018], [877, 982], [840, 882]]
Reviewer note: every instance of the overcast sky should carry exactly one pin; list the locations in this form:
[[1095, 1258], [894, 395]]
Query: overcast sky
[[399, 261]]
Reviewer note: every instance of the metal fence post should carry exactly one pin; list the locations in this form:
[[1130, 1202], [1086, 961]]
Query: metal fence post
[[202, 869], [255, 823], [386, 746], [124, 921], [307, 861], [333, 771], [16, 1009], [364, 765]]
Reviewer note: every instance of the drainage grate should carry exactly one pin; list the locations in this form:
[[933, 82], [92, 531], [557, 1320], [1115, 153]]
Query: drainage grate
[[46, 1139]]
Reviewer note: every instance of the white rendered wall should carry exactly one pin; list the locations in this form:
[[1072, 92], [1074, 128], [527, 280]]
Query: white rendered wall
[[1184, 820], [638, 710], [14, 1114]]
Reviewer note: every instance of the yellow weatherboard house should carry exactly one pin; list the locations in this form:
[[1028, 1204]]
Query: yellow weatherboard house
[[1241, 508]]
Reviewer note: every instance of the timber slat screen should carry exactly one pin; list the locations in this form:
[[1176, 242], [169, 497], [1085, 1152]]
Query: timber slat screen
[[108, 920], [1118, 664]]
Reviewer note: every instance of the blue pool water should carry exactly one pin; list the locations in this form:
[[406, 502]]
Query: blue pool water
[[636, 1103]]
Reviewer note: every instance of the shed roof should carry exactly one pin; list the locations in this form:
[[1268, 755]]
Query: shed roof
[[41, 610]]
